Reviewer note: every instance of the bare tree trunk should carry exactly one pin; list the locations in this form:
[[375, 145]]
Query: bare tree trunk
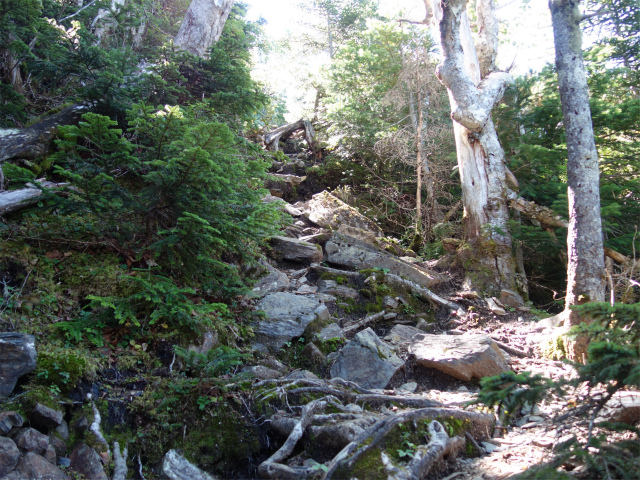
[[202, 25], [586, 270], [491, 265]]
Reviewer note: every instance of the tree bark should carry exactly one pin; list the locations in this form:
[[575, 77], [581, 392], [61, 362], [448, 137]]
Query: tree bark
[[202, 25], [272, 139], [480, 157], [34, 141], [585, 270]]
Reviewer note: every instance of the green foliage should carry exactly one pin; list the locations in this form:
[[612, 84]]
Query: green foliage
[[613, 362], [215, 362], [60, 368]]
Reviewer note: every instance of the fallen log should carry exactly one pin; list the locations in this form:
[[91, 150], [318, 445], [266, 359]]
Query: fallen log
[[12, 200], [353, 329], [34, 141], [424, 293], [533, 210], [272, 139]]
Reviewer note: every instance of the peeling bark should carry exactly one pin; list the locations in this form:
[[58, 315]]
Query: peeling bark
[[586, 269], [13, 200], [474, 89], [202, 25]]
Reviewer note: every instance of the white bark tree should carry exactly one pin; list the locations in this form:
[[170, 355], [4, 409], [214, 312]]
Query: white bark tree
[[474, 86], [586, 269], [202, 25]]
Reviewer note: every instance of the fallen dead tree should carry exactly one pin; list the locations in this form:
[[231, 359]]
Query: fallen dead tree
[[12, 200], [272, 139], [424, 293], [34, 141]]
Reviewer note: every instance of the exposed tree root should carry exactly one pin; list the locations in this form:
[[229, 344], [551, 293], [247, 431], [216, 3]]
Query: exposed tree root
[[273, 138], [424, 293], [355, 328], [119, 462]]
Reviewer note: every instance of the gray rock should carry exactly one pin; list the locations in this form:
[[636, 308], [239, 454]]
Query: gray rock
[[62, 430], [176, 467], [260, 372], [17, 358], [301, 375], [424, 325], [402, 334], [287, 316], [273, 281], [362, 235], [80, 425], [64, 462], [9, 420], [410, 387], [15, 476], [307, 289], [494, 307], [352, 253], [9, 456], [46, 418], [36, 467], [294, 250], [332, 330], [50, 454], [463, 357], [31, 440], [511, 298], [367, 361], [86, 460], [312, 356], [329, 211], [331, 287], [488, 447], [390, 303], [59, 446]]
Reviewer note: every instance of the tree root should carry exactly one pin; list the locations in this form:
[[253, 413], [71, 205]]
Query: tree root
[[424, 293], [353, 329], [119, 462]]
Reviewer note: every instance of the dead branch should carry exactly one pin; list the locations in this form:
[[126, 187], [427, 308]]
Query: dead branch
[[12, 200], [353, 329], [425, 293], [273, 138]]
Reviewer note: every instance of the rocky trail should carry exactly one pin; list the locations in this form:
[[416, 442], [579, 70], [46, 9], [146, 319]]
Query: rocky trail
[[365, 364]]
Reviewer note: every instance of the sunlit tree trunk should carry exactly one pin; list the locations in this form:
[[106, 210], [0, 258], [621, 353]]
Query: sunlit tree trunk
[[586, 269], [474, 88], [202, 25]]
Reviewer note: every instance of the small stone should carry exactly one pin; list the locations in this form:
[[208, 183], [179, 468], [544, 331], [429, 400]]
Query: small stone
[[45, 417], [81, 425], [307, 289], [408, 387], [352, 408], [301, 375], [462, 389], [64, 462], [424, 325], [329, 332], [9, 456], [489, 447], [62, 430], [59, 446], [260, 372], [389, 316], [390, 303], [9, 420], [535, 418], [511, 298], [493, 306], [50, 454], [312, 356], [542, 442]]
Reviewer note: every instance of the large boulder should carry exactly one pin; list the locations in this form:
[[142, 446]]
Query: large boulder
[[464, 357], [294, 250], [287, 316], [36, 467], [31, 440], [176, 467], [352, 253], [86, 460], [367, 361], [17, 358], [9, 456], [329, 211]]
